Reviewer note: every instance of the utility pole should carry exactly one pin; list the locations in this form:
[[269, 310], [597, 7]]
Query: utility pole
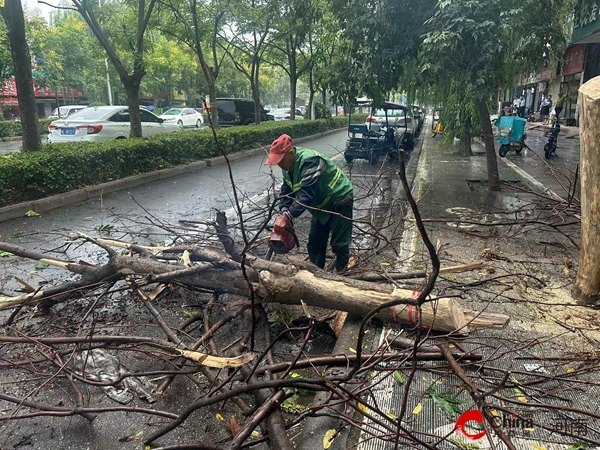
[[109, 90]]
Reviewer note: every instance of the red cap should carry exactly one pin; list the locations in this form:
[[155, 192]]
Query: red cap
[[279, 148]]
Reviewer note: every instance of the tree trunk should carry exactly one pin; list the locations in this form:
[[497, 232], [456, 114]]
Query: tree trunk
[[464, 146], [132, 89], [254, 86], [490, 151], [293, 84], [311, 96], [214, 110], [19, 50], [587, 284]]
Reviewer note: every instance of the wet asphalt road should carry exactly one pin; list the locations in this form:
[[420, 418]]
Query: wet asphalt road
[[192, 197]]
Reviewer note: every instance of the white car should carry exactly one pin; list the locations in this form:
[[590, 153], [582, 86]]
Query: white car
[[66, 111], [184, 117], [104, 123], [285, 114]]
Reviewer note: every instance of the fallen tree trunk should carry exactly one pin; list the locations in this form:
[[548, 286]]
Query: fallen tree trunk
[[289, 282]]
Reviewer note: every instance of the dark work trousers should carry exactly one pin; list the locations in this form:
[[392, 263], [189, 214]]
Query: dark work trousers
[[558, 110], [341, 235]]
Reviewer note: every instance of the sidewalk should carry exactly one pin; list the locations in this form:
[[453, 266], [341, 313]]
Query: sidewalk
[[461, 216]]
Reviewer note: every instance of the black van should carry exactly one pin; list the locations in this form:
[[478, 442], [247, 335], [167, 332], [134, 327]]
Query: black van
[[239, 111]]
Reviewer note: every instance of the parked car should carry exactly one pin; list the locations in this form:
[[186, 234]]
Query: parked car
[[239, 111], [66, 111], [401, 119], [184, 117], [103, 123], [286, 114]]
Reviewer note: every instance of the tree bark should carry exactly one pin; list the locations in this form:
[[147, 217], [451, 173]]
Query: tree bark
[[464, 146], [490, 150], [132, 88], [587, 285], [19, 50]]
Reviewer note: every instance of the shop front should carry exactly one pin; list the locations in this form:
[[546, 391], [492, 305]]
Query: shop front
[[575, 57]]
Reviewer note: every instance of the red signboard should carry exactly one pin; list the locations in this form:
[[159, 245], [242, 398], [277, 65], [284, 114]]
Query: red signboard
[[9, 89], [574, 58]]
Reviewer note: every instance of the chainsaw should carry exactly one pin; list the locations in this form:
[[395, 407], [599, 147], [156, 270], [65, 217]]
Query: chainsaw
[[281, 243]]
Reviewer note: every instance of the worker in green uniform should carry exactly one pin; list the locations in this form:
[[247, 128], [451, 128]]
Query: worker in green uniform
[[312, 181]]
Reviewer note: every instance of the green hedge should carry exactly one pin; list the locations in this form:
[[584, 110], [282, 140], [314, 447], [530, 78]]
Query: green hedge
[[59, 168], [11, 128]]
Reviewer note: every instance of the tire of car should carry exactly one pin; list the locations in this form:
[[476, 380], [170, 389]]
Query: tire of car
[[503, 150], [121, 137], [348, 158], [180, 123], [198, 123], [248, 122], [410, 144]]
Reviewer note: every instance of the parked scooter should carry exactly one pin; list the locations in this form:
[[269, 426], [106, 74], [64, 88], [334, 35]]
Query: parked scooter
[[550, 147]]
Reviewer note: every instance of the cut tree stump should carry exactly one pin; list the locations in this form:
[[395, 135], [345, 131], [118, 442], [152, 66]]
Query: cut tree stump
[[587, 285]]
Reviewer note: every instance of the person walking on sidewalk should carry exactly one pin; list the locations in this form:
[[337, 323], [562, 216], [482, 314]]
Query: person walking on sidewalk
[[522, 107], [560, 103], [312, 181], [546, 108]]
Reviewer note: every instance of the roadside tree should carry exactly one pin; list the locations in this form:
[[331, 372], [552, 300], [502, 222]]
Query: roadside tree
[[121, 30], [199, 25], [12, 12], [246, 39], [473, 46], [6, 68]]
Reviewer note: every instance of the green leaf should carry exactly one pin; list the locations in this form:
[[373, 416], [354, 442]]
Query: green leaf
[[5, 254], [41, 266], [17, 235], [579, 446], [399, 377], [31, 213]]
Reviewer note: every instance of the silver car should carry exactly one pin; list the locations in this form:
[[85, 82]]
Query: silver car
[[400, 119]]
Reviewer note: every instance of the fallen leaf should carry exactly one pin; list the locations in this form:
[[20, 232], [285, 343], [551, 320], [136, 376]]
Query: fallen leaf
[[399, 377], [417, 409], [538, 447], [362, 408], [521, 395], [219, 417], [566, 271], [352, 350], [570, 370], [5, 254], [255, 433], [233, 425], [41, 266], [328, 438], [31, 213]]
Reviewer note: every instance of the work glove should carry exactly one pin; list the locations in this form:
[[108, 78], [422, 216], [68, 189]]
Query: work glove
[[283, 221]]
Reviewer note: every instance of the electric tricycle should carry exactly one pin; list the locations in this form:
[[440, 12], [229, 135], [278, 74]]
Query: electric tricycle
[[388, 128], [511, 134]]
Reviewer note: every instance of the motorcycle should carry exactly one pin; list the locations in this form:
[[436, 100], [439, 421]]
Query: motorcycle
[[551, 145]]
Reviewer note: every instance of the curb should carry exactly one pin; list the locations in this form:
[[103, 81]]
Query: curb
[[19, 210]]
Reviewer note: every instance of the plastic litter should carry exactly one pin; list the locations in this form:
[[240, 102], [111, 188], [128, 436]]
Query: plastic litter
[[98, 365]]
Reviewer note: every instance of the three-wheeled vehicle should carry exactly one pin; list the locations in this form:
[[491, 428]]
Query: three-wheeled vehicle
[[388, 128], [437, 124], [511, 134]]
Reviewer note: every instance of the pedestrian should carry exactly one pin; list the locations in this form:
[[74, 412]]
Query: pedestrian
[[546, 107], [312, 181], [522, 107], [560, 103], [516, 105]]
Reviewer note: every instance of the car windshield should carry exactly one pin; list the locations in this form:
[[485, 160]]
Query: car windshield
[[395, 113], [63, 111], [88, 114], [172, 112]]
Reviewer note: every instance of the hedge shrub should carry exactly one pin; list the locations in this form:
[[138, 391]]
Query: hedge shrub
[[59, 168], [12, 128]]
